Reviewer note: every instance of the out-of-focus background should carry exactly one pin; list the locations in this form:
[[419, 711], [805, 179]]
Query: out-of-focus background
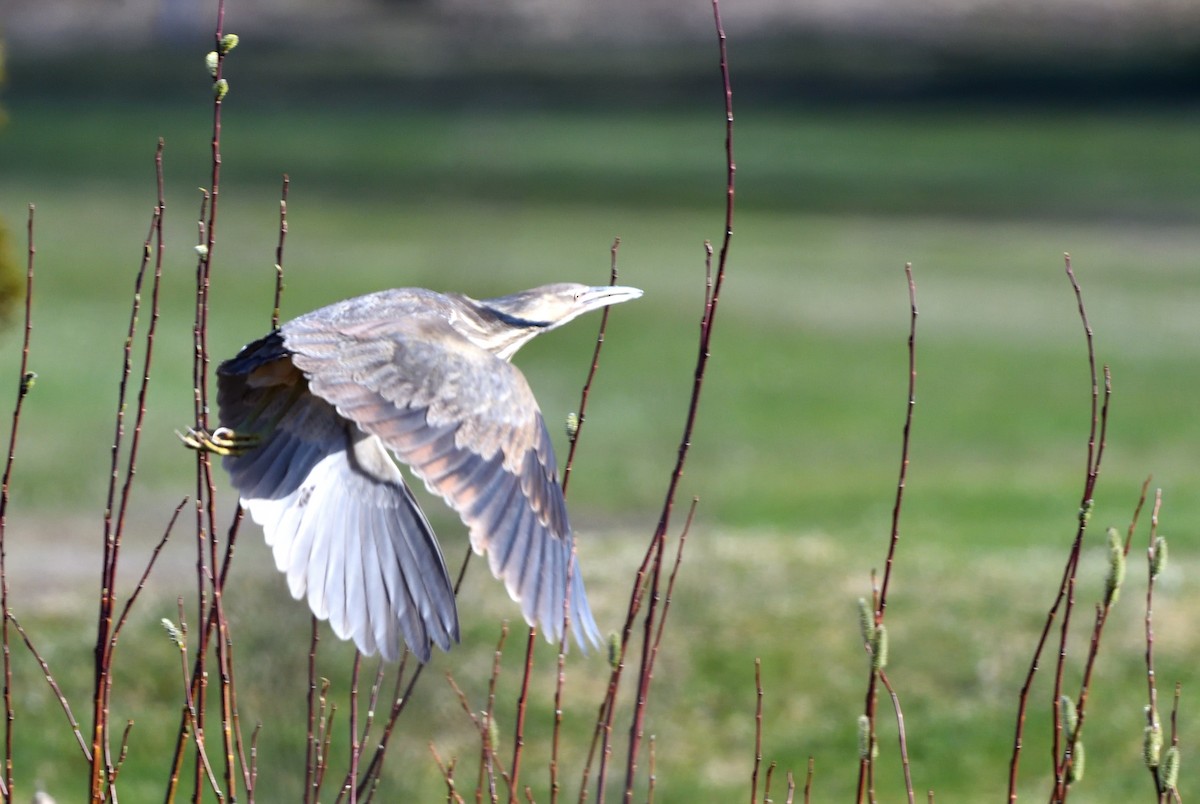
[[487, 147]]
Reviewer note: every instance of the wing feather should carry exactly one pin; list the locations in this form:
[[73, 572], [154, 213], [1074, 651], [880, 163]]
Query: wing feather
[[341, 523], [466, 422]]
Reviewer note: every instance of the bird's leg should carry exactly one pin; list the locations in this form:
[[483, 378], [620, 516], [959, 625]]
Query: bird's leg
[[251, 431], [222, 441]]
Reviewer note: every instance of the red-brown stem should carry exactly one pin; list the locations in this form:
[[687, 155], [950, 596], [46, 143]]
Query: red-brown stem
[[24, 383], [522, 701], [1097, 434], [365, 735], [903, 737], [375, 767], [247, 767], [283, 231], [758, 722], [400, 698], [652, 779], [1102, 612], [354, 747], [879, 594], [901, 484], [206, 487], [141, 584], [62, 699], [312, 751], [487, 759], [448, 775], [591, 375], [114, 511], [707, 321], [561, 678], [1151, 677]]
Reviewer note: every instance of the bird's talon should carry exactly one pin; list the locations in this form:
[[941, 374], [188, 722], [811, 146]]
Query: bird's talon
[[222, 441]]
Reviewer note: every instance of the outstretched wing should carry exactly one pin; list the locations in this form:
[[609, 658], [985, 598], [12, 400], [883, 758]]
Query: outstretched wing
[[467, 423], [335, 510]]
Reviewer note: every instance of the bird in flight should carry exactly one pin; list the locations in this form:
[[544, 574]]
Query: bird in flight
[[315, 417]]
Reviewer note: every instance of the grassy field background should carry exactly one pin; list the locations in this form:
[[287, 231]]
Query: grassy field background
[[795, 458]]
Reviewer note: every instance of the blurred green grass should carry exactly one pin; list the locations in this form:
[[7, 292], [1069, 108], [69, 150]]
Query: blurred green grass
[[796, 453]]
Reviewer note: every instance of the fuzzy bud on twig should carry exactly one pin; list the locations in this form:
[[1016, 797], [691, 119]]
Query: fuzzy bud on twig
[[493, 730], [572, 425], [866, 621], [1085, 513], [1077, 757], [866, 747], [1168, 771], [1116, 567], [1158, 559], [221, 88], [1152, 745], [173, 632], [1070, 718], [879, 648], [211, 61], [229, 42]]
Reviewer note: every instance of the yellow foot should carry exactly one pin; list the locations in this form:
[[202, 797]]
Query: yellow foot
[[221, 441]]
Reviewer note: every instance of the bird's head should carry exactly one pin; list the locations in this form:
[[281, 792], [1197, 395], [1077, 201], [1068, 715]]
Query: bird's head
[[551, 306]]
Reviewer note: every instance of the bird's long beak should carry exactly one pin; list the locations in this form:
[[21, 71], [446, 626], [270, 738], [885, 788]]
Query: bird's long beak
[[594, 298]]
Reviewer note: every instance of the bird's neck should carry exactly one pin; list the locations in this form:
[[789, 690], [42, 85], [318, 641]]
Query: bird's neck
[[494, 331]]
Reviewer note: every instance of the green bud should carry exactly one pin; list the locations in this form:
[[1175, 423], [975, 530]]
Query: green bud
[[614, 650], [493, 731], [221, 88], [1116, 567], [229, 42], [1077, 757], [27, 381], [866, 621], [865, 748], [1168, 771], [879, 648], [211, 61], [572, 425], [1070, 718], [202, 250], [1152, 745], [1158, 560], [173, 632], [1085, 513]]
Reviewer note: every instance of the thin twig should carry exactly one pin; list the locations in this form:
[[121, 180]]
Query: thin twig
[[879, 594], [283, 231], [488, 751], [522, 701], [1064, 598], [311, 749], [903, 738], [448, 775], [581, 416], [58, 693], [707, 323], [758, 723], [141, 584], [25, 380]]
